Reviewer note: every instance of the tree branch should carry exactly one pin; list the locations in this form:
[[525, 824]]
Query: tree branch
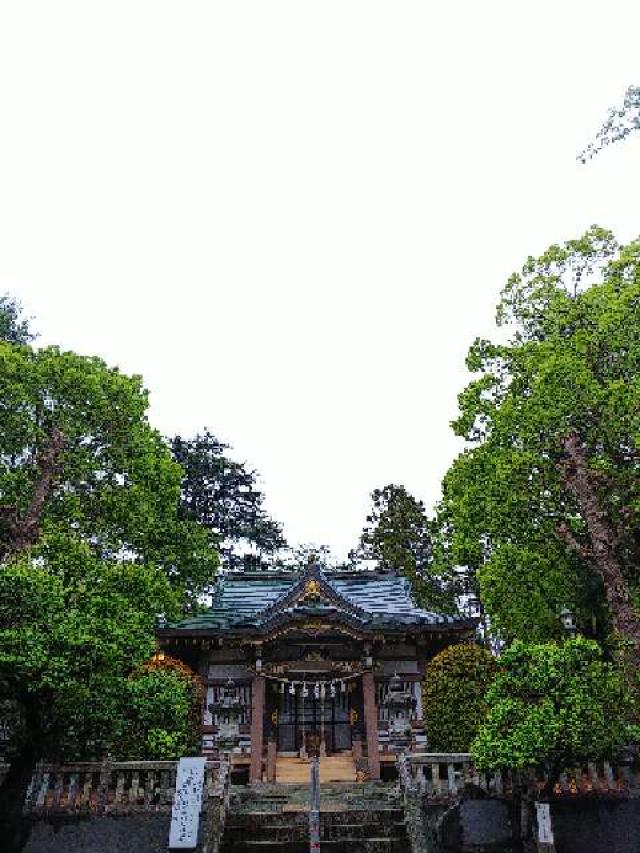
[[565, 535], [25, 531]]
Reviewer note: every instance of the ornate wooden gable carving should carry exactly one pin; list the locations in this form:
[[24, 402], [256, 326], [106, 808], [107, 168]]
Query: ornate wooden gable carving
[[312, 596]]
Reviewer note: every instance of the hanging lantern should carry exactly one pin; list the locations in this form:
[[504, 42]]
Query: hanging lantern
[[282, 687], [343, 687], [332, 690], [305, 690], [322, 691], [292, 688], [316, 690]]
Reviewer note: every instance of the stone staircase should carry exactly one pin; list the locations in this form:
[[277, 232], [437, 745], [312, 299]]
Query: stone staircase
[[357, 817]]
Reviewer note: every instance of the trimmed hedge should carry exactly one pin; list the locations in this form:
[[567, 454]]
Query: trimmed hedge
[[453, 692], [553, 705], [164, 715]]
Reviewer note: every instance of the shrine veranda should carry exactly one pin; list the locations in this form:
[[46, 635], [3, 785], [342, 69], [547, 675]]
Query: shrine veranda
[[319, 661]]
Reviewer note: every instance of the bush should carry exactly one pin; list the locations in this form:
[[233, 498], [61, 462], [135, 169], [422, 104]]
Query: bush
[[551, 706], [453, 691], [164, 715]]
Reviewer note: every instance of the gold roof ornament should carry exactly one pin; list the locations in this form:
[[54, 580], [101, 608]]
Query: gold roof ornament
[[311, 587]]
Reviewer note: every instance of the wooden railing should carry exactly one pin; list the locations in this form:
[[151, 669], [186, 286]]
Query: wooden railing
[[442, 775], [120, 787]]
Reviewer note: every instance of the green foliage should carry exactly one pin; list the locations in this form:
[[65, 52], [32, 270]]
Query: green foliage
[[68, 643], [14, 329], [453, 692], [397, 538], [222, 496], [163, 714], [118, 488], [552, 705], [78, 607], [572, 363], [618, 124]]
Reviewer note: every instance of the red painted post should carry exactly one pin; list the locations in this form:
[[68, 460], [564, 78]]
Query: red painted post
[[371, 723], [257, 727], [272, 757]]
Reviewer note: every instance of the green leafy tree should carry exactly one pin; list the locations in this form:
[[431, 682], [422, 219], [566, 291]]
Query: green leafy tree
[[71, 630], [92, 550], [544, 503], [72, 627], [618, 125], [222, 495], [397, 538], [453, 691], [79, 458], [14, 329], [552, 706]]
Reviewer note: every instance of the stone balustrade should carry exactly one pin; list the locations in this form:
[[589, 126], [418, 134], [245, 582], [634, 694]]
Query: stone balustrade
[[440, 775], [118, 787]]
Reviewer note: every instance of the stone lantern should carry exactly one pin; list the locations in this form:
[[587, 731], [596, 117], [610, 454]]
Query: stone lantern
[[399, 704], [228, 714], [568, 620]]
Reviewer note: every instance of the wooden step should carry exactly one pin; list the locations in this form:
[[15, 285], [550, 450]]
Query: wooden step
[[333, 768]]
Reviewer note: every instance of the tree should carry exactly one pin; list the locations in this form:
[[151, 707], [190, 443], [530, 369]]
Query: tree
[[552, 706], [92, 550], [397, 538], [79, 458], [544, 502], [72, 627], [14, 329], [222, 496], [453, 690], [618, 124]]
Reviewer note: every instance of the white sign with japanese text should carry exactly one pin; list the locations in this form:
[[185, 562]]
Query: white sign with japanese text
[[545, 833], [187, 804]]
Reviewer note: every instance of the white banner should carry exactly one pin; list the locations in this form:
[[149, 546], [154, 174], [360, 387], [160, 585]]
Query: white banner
[[545, 833], [187, 804]]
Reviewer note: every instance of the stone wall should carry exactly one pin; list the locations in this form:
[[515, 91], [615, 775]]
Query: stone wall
[[142, 833], [596, 827], [488, 825]]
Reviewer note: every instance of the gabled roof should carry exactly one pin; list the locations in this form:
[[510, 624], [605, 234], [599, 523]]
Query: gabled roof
[[255, 604]]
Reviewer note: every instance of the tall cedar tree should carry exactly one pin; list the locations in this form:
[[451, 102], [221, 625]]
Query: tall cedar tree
[[397, 538], [222, 496], [545, 501]]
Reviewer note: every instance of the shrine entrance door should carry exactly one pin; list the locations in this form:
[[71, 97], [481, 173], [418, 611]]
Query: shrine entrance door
[[305, 720]]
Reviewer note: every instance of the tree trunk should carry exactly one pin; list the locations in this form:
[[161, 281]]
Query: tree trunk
[[24, 531], [15, 829], [581, 483]]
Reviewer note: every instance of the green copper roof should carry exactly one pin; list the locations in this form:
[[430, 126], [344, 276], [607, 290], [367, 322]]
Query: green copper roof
[[251, 603]]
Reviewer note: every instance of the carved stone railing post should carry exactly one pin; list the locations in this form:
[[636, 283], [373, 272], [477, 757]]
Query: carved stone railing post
[[33, 788], [103, 786], [217, 792], [412, 803]]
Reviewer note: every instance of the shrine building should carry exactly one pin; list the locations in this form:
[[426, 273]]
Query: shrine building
[[319, 660]]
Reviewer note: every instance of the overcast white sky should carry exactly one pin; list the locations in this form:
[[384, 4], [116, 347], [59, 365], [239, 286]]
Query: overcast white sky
[[292, 218]]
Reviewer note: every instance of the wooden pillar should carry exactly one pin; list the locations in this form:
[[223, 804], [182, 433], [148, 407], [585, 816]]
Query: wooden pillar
[[257, 727], [371, 724], [272, 757]]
